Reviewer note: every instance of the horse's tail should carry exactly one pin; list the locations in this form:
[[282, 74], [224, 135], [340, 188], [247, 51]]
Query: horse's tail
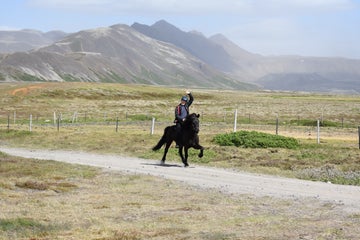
[[162, 140]]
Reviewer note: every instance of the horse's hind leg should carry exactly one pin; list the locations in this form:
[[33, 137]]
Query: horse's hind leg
[[165, 152]]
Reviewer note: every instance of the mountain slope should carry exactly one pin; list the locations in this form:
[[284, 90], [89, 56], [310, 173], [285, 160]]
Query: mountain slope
[[113, 54], [196, 44], [27, 39]]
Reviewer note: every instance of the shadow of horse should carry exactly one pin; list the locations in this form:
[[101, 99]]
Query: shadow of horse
[[188, 138], [162, 165]]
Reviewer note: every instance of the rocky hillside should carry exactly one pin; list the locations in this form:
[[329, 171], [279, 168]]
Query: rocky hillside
[[193, 42], [114, 54]]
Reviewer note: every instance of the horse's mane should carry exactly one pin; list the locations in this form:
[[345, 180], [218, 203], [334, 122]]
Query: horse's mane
[[192, 116], [191, 122]]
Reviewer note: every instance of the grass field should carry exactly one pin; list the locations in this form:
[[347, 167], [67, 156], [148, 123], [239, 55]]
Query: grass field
[[89, 112], [50, 200]]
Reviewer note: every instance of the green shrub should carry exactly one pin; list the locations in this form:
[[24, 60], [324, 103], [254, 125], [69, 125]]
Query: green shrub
[[254, 139]]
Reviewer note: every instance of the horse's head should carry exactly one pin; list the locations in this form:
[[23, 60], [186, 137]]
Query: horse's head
[[192, 120]]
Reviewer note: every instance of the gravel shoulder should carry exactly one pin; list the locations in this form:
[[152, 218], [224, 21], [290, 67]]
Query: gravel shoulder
[[226, 181]]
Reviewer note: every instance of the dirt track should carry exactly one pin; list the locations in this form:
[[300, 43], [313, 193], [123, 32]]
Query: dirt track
[[227, 181]]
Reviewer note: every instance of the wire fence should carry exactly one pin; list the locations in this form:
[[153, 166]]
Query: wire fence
[[228, 121], [226, 116]]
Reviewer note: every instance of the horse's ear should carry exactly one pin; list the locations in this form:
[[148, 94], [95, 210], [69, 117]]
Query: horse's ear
[[198, 115]]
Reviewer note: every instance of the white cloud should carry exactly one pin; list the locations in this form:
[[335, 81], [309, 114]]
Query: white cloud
[[196, 6], [146, 6], [319, 4]]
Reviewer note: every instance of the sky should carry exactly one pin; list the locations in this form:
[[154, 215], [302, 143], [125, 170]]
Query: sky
[[322, 28]]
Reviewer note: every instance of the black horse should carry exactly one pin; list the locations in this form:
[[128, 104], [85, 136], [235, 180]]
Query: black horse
[[188, 138]]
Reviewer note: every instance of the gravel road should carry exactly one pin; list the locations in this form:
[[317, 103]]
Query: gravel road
[[226, 181]]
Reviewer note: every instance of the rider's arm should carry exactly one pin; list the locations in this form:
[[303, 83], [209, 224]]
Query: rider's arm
[[191, 99]]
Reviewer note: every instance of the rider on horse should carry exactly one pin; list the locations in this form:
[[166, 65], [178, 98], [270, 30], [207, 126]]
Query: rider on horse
[[182, 110], [184, 133]]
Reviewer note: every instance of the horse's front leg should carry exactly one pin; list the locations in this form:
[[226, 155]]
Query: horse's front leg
[[201, 148], [186, 156], [183, 159], [201, 154]]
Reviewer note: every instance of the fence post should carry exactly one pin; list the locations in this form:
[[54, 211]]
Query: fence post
[[117, 124], [74, 119], [8, 124], [359, 135], [235, 119], [318, 131], [30, 124], [277, 124], [152, 126], [58, 123]]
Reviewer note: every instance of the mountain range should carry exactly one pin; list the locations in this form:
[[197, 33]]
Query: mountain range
[[163, 54]]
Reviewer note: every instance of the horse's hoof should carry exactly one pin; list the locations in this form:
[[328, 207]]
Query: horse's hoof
[[162, 162], [186, 165], [201, 155]]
